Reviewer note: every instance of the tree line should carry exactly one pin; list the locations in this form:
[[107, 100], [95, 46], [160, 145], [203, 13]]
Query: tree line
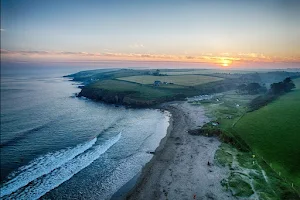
[[276, 89]]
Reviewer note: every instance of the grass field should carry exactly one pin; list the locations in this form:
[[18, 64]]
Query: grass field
[[228, 109], [183, 80], [138, 84], [273, 132], [273, 135], [138, 90], [207, 71]]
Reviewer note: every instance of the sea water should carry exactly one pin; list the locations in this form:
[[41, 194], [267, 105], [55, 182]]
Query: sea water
[[55, 145]]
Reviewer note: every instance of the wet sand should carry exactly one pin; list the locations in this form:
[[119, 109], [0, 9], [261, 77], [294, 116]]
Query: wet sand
[[179, 168]]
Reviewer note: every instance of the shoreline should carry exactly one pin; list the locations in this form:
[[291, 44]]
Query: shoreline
[[178, 169], [132, 184], [122, 192], [145, 170], [152, 181]]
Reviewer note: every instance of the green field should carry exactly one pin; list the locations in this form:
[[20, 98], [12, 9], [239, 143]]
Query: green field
[[251, 178], [113, 87], [207, 71], [136, 90], [183, 80], [104, 85], [228, 109], [273, 132]]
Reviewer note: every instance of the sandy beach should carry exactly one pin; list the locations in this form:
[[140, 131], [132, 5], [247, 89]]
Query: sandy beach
[[179, 169]]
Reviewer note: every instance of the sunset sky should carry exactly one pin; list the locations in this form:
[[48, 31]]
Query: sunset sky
[[227, 33]]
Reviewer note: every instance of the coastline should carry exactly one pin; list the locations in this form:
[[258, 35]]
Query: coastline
[[179, 169], [162, 177], [132, 184]]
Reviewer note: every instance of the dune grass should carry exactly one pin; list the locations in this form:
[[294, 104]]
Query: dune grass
[[251, 178]]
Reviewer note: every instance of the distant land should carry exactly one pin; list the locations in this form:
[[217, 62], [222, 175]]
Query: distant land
[[144, 88]]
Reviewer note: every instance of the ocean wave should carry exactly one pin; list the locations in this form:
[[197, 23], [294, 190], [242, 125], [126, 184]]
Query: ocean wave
[[38, 186], [41, 166], [22, 135]]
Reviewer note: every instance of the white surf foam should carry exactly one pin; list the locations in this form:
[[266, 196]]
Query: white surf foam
[[41, 166], [44, 184]]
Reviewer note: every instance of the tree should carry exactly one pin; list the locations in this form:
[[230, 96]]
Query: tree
[[277, 88], [242, 87], [253, 88], [156, 73], [288, 84], [285, 86]]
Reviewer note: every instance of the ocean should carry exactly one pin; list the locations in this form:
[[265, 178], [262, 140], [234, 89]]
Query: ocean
[[57, 146]]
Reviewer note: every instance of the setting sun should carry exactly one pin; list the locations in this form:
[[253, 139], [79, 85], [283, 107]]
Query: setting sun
[[226, 63]]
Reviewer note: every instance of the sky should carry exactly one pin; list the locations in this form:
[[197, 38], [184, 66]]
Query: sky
[[225, 33]]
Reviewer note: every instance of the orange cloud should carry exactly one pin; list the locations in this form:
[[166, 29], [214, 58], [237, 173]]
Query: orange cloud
[[224, 59]]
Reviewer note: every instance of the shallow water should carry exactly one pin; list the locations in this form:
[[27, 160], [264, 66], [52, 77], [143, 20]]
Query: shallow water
[[54, 145]]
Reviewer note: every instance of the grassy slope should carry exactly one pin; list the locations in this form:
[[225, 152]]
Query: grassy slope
[[185, 80], [227, 106], [141, 91], [274, 133], [104, 85], [245, 170], [130, 86]]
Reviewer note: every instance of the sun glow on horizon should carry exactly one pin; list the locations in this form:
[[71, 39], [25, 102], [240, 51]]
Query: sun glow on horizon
[[226, 63], [223, 60]]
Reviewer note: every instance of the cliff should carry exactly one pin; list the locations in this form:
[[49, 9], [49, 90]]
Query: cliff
[[127, 98]]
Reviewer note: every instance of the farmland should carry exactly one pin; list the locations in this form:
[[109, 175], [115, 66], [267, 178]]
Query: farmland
[[219, 71], [183, 80], [137, 85], [206, 71], [135, 90], [273, 132]]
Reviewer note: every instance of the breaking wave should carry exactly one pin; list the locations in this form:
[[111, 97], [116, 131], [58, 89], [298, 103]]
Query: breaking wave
[[49, 171]]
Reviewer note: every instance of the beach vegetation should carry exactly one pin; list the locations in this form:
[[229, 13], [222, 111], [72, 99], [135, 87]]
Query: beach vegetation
[[239, 186], [250, 176]]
